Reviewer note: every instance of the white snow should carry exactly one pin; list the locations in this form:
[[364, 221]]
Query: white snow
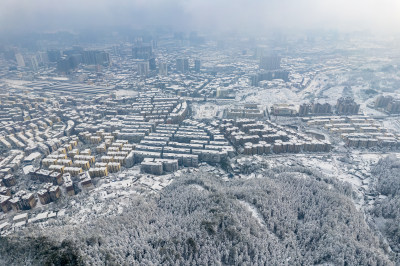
[[254, 212]]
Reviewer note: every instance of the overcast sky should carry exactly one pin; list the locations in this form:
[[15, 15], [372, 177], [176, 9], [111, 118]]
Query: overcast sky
[[201, 15]]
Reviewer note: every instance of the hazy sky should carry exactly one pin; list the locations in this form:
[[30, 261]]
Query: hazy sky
[[49, 15]]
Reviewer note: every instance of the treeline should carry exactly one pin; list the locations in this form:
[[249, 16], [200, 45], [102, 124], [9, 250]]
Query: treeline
[[24, 250]]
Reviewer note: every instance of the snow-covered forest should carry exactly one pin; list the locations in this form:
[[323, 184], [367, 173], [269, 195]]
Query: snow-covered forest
[[386, 211], [289, 216]]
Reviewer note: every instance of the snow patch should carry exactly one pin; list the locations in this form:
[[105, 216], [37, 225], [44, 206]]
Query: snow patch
[[254, 212], [197, 186]]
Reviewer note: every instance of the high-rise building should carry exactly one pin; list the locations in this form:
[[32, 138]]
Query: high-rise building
[[142, 52], [94, 57], [162, 69], [197, 65], [143, 68], [182, 65], [304, 109], [383, 101], [33, 63], [179, 64], [254, 80], [42, 58], [75, 59], [68, 63], [314, 109], [102, 58], [64, 65], [20, 60], [347, 106], [270, 62], [53, 55], [258, 52], [318, 108], [185, 65], [393, 107], [152, 64]]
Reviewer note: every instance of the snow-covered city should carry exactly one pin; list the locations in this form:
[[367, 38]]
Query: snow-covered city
[[191, 147]]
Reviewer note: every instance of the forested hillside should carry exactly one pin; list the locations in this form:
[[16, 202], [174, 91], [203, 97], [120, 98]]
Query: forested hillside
[[386, 210], [289, 216]]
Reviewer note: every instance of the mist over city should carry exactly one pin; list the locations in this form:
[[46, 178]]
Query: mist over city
[[189, 132], [201, 15]]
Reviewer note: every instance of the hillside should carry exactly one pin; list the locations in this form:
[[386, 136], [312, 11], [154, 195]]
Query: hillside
[[290, 216]]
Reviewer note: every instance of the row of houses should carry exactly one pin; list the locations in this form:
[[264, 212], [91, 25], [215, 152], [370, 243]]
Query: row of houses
[[252, 111], [264, 137], [357, 131], [189, 143]]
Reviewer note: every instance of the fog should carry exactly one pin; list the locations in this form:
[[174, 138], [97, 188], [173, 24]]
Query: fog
[[204, 15]]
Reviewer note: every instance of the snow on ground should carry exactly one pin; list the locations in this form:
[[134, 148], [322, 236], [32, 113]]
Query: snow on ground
[[60, 78], [253, 210], [197, 186], [267, 97], [17, 84], [121, 93], [13, 82], [325, 166], [370, 111], [373, 158], [315, 86], [392, 123], [208, 110], [332, 94]]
